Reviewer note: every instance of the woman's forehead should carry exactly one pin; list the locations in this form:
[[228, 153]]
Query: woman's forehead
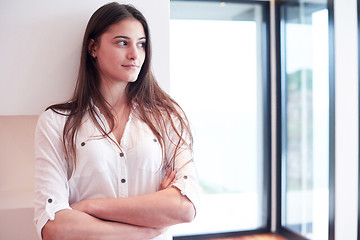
[[128, 27]]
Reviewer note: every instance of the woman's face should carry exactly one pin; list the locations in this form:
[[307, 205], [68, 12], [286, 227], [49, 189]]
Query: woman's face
[[120, 51]]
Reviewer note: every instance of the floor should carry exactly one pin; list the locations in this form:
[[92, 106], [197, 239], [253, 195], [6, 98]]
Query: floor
[[255, 237]]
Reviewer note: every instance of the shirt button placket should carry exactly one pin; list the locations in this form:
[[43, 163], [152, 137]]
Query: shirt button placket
[[123, 183]]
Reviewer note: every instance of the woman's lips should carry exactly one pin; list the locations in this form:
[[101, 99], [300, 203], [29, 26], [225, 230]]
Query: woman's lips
[[131, 66]]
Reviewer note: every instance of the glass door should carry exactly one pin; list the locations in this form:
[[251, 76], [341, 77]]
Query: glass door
[[304, 52]]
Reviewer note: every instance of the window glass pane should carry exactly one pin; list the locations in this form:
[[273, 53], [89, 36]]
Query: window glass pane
[[217, 77], [305, 113]]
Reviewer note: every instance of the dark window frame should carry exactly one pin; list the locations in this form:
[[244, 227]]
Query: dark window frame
[[358, 29]]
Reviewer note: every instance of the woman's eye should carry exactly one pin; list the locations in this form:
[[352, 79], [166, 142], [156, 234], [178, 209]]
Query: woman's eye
[[122, 43], [142, 44]]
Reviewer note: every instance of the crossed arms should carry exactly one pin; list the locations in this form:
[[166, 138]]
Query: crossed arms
[[132, 218]]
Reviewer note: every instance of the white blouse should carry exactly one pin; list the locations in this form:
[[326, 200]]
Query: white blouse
[[104, 168]]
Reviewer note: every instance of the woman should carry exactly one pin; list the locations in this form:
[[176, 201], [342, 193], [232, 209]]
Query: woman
[[115, 162]]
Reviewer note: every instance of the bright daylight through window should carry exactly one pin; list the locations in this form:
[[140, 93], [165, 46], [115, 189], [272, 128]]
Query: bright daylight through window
[[218, 76]]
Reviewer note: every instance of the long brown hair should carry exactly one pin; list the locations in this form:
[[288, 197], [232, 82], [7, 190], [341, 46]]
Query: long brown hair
[[156, 108]]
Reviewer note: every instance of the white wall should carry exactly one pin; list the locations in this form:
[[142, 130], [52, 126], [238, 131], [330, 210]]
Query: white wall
[[346, 121], [40, 49]]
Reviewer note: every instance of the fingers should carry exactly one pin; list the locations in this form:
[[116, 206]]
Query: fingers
[[168, 179], [168, 172], [172, 178]]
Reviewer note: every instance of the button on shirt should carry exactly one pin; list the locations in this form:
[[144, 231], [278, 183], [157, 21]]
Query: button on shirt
[[104, 168]]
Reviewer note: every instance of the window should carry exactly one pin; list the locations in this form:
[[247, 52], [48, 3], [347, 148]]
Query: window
[[219, 75], [305, 127]]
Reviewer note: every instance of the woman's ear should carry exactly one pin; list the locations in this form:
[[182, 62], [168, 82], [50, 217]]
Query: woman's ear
[[92, 48]]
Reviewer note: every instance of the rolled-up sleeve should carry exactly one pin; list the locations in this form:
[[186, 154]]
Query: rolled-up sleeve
[[51, 169], [186, 179]]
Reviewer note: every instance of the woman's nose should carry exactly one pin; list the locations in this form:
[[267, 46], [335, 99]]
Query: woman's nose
[[133, 52]]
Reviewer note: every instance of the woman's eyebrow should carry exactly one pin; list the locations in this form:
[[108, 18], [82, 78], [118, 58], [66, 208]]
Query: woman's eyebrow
[[126, 37]]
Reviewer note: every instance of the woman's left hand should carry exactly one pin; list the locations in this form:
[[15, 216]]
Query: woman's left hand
[[168, 179]]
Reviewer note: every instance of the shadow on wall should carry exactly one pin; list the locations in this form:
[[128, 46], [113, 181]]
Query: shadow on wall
[[17, 177], [14, 224]]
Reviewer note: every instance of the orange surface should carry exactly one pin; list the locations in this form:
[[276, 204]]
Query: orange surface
[[255, 237]]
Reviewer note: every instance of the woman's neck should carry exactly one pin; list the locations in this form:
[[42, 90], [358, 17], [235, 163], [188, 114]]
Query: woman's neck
[[115, 95]]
